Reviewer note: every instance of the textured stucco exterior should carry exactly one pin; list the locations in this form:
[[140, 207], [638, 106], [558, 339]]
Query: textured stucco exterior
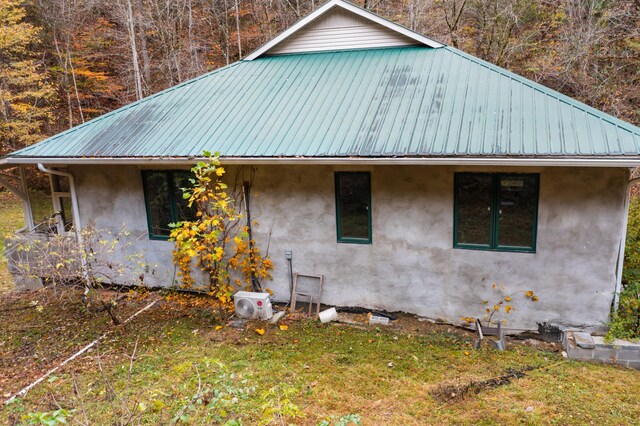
[[411, 265]]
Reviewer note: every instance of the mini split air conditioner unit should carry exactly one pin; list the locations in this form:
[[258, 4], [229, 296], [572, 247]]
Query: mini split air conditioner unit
[[252, 305]]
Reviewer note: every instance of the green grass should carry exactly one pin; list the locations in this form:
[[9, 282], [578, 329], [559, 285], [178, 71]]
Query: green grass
[[385, 375], [11, 218]]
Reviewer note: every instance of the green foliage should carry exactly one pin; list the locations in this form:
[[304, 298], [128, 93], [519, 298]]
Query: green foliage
[[625, 323], [221, 396], [48, 418], [277, 404], [347, 419], [632, 249]]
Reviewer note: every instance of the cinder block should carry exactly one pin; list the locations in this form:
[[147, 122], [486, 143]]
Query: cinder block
[[633, 364], [629, 355], [579, 353], [605, 354]]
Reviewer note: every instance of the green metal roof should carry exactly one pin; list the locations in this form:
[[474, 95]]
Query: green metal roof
[[395, 102]]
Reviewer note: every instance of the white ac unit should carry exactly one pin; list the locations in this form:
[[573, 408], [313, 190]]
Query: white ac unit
[[253, 305]]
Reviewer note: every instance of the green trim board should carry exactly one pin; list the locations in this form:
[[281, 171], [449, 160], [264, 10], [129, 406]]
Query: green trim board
[[496, 211], [168, 210], [353, 207]]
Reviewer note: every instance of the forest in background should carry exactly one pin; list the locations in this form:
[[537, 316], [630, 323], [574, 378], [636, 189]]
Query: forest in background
[[63, 62]]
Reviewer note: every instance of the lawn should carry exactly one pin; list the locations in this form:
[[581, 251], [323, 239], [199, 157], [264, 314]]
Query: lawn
[[11, 218], [190, 368]]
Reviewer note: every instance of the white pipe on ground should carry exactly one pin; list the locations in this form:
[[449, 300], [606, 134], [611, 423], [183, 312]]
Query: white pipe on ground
[[24, 391]]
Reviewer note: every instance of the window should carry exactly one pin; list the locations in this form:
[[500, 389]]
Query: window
[[495, 211], [164, 202], [353, 207]]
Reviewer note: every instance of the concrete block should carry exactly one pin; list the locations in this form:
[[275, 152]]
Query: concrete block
[[579, 353], [605, 354], [628, 355], [633, 364]]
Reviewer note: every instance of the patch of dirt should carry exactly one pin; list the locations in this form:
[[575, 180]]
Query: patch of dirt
[[450, 392], [42, 328]]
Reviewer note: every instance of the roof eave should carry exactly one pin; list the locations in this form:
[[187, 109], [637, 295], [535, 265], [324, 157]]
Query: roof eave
[[608, 161]]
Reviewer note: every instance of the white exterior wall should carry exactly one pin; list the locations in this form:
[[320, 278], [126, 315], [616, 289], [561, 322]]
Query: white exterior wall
[[341, 30], [411, 265]]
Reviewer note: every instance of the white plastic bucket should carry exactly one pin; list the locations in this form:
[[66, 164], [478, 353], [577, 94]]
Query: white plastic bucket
[[328, 315]]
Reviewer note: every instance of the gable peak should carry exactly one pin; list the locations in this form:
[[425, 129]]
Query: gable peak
[[339, 25]]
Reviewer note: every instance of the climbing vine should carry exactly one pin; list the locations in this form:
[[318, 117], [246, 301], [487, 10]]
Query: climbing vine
[[216, 241]]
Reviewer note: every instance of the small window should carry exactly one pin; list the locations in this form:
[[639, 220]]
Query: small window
[[164, 202], [353, 207], [496, 211]]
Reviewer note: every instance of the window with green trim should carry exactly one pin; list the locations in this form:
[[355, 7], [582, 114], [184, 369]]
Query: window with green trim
[[495, 211], [164, 202], [353, 207]]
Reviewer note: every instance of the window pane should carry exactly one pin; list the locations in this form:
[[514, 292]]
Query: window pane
[[518, 200], [157, 197], [353, 191], [181, 180], [473, 208]]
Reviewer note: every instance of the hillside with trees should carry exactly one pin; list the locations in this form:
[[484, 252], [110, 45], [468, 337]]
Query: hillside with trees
[[63, 62]]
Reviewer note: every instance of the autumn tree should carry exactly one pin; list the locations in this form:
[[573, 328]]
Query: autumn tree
[[25, 93], [102, 54]]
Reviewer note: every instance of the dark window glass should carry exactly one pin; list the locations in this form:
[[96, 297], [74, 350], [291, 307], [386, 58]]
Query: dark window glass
[[473, 201], [496, 211], [164, 202], [353, 205], [518, 201], [184, 212]]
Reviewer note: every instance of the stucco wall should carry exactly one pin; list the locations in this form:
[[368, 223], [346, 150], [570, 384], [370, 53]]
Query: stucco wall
[[411, 265]]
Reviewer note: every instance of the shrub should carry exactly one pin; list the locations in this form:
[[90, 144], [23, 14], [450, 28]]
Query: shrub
[[625, 323]]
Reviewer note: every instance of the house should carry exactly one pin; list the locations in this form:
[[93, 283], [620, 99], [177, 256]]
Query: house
[[411, 174]]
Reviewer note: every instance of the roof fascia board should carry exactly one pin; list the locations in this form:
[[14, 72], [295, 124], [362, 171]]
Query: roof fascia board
[[435, 161], [347, 6]]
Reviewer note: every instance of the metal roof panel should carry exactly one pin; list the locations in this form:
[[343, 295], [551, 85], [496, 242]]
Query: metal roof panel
[[395, 102]]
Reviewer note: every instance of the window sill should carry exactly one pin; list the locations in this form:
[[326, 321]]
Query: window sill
[[353, 241], [497, 250]]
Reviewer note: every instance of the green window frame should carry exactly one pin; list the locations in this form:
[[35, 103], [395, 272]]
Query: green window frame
[[163, 200], [353, 207], [496, 211]]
